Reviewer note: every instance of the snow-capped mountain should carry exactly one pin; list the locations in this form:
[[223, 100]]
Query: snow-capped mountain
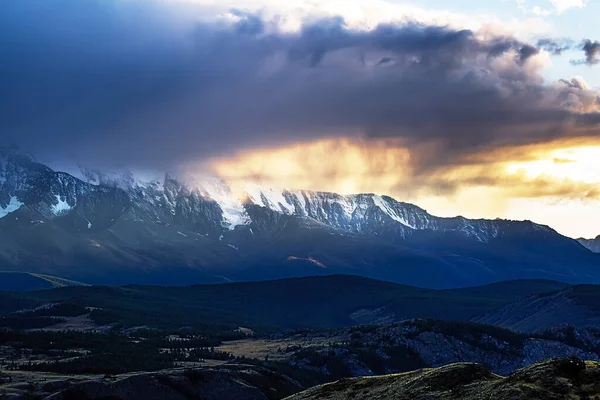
[[361, 213], [112, 227], [369, 213], [48, 194]]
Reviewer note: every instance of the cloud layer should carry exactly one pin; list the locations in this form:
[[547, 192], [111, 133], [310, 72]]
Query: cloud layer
[[127, 82]]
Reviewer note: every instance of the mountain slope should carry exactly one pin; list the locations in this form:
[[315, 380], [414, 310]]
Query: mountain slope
[[553, 379], [591, 244], [112, 228], [578, 306]]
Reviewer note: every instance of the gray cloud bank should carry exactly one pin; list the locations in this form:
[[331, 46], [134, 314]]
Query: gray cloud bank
[[125, 83]]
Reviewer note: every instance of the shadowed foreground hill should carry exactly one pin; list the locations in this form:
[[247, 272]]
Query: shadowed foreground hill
[[550, 380]]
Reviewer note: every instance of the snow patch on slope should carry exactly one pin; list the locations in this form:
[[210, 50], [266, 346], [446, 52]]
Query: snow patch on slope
[[270, 198], [62, 207], [385, 207], [13, 205], [234, 213], [348, 204]]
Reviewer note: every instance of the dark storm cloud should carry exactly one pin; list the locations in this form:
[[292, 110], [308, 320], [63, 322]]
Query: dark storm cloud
[[555, 47], [122, 82], [72, 69], [249, 23], [526, 52], [592, 51]]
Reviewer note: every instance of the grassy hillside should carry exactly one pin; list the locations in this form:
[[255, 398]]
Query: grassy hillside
[[316, 302], [554, 379], [464, 304]]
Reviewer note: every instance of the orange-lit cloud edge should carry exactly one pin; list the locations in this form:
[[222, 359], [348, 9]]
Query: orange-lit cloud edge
[[555, 183]]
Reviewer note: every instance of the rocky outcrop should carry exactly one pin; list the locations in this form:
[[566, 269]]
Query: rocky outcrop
[[428, 343]]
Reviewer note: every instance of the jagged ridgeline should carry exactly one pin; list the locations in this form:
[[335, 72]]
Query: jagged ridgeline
[[113, 228]]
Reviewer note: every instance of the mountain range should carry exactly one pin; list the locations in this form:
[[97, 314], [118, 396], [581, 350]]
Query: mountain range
[[112, 228]]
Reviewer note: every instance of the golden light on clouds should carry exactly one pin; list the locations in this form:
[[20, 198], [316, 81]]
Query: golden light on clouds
[[343, 166], [557, 184]]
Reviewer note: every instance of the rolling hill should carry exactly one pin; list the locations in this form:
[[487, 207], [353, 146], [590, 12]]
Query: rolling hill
[[312, 302]]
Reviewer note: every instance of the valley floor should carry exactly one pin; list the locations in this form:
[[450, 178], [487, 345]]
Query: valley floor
[[37, 364]]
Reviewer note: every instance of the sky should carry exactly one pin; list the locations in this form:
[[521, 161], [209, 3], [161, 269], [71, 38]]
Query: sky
[[486, 109]]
